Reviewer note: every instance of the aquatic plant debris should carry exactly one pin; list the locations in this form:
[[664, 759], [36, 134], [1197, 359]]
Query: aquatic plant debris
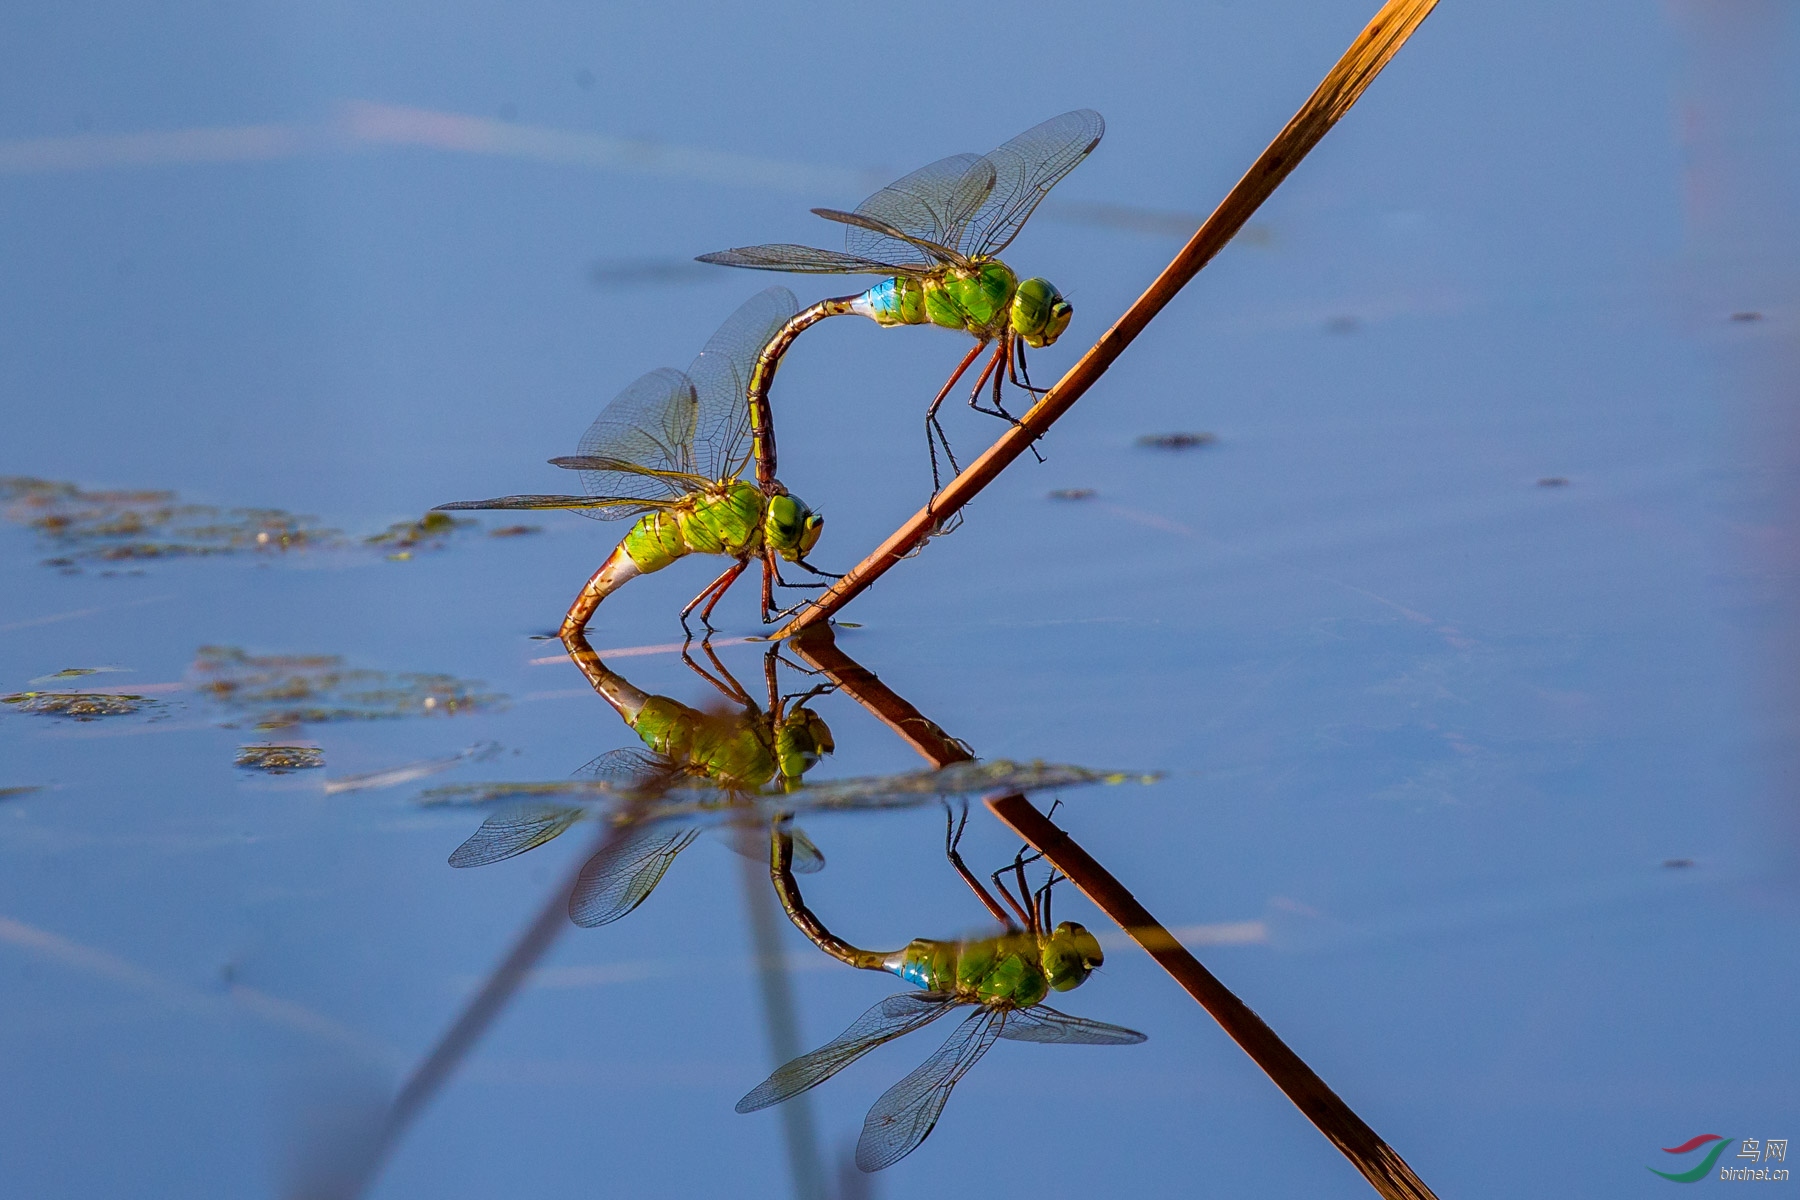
[[71, 673], [280, 760], [136, 526], [79, 706], [277, 691], [1073, 494], [659, 800], [13, 793]]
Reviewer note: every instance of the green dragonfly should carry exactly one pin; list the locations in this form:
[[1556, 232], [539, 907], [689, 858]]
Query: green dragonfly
[[999, 982], [935, 234], [729, 754], [669, 451]]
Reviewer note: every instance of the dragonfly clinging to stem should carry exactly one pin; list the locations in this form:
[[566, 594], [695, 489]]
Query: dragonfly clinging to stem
[[670, 450], [936, 234], [1000, 982]]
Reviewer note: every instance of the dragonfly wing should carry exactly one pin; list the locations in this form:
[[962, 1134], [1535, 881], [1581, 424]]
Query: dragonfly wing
[[1040, 1023], [721, 378], [601, 508], [1025, 169], [939, 253], [685, 480], [514, 832], [888, 1020], [650, 424], [933, 204], [808, 858], [809, 260], [622, 876], [629, 769], [906, 1112]]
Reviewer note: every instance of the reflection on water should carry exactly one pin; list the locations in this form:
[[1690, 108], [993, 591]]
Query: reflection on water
[[1003, 979]]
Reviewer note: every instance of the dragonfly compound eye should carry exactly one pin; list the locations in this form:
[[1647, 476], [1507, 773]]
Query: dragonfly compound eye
[[1039, 313], [809, 536], [1070, 954], [802, 740]]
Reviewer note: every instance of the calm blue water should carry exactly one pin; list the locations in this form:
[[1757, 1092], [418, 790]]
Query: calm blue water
[[1432, 729]]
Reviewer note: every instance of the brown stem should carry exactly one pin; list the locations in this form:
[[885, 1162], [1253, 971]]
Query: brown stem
[[1343, 84], [1383, 1168]]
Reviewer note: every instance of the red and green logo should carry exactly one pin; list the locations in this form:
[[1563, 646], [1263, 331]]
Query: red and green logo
[[1706, 1164]]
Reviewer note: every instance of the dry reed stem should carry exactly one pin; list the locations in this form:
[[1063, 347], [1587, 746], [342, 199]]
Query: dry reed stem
[[1341, 87], [1385, 1170]]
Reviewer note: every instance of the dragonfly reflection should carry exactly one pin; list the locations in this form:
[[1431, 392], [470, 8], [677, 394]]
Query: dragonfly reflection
[[723, 755], [999, 982]]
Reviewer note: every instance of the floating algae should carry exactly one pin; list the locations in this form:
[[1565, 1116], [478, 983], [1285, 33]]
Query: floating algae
[[13, 793], [125, 526], [79, 706], [280, 760], [276, 691]]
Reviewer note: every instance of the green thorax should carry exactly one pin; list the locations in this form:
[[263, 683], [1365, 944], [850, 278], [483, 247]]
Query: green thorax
[[726, 518], [978, 301], [1006, 971], [733, 750]]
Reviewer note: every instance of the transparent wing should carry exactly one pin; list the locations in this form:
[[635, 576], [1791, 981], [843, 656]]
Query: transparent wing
[[649, 424], [809, 260], [513, 832], [933, 251], [935, 203], [622, 876], [907, 1111], [808, 858], [601, 508], [629, 767], [685, 480], [888, 1020], [1025, 169], [1040, 1023], [721, 377]]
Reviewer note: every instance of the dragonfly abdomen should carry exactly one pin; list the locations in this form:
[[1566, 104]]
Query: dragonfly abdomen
[[896, 301]]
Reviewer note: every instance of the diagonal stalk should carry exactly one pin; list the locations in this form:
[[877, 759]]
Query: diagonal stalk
[[1342, 86]]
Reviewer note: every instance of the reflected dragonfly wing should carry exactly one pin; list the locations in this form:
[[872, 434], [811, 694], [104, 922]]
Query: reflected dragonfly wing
[[810, 260], [515, 831], [622, 876], [894, 1016], [1040, 1023], [906, 1112], [629, 769], [721, 376], [808, 858], [1025, 169]]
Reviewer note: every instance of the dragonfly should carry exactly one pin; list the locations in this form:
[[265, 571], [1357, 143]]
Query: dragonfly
[[997, 983], [732, 754], [670, 450], [936, 234]]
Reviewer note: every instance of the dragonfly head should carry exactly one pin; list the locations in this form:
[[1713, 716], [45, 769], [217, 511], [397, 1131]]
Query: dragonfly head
[[801, 741], [791, 528], [1069, 954], [1039, 312]]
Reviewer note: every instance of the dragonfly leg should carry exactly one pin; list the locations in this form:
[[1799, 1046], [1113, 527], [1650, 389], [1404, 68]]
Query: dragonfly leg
[[934, 432], [716, 589], [1019, 373], [768, 584], [953, 831], [1004, 353], [725, 682], [1029, 920]]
